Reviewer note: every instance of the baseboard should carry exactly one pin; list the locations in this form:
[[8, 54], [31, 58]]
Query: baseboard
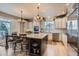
[[62, 42]]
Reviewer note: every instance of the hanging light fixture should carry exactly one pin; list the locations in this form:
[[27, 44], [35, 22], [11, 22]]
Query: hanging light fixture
[[38, 17], [21, 18], [21, 22], [21, 15]]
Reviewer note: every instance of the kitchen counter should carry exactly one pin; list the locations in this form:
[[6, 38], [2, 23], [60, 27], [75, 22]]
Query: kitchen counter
[[36, 35]]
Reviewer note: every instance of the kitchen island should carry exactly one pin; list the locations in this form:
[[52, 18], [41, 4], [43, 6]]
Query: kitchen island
[[37, 43]]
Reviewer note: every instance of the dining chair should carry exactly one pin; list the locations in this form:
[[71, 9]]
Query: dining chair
[[25, 42], [17, 41], [9, 38]]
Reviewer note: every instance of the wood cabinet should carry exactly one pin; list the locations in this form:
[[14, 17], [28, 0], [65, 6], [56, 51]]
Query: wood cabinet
[[37, 47], [55, 37]]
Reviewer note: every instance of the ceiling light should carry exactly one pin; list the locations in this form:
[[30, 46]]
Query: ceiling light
[[38, 17], [21, 18]]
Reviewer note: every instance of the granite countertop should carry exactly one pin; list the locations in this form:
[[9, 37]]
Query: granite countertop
[[36, 35]]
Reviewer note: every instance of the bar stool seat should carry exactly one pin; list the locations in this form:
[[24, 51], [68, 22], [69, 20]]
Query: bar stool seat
[[35, 48]]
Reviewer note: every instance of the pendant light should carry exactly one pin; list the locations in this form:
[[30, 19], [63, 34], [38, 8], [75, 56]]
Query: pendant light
[[38, 17]]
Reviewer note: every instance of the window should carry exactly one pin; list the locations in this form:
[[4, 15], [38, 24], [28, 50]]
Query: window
[[4, 27], [72, 27], [49, 26]]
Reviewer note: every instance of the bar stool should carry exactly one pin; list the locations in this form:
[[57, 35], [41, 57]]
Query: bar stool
[[25, 42], [35, 47], [9, 38], [16, 41]]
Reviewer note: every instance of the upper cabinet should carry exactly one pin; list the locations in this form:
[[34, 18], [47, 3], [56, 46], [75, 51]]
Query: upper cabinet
[[60, 23]]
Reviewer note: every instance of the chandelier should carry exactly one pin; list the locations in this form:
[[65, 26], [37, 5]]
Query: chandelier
[[38, 17], [21, 18]]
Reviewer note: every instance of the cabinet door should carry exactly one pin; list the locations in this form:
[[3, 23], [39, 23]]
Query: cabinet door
[[55, 36]]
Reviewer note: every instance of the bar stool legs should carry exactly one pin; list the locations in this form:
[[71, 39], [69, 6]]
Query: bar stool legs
[[21, 47], [14, 47]]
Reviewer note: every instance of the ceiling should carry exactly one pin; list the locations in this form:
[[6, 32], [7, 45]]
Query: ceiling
[[30, 10]]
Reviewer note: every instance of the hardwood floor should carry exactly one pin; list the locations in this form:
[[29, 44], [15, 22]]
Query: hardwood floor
[[53, 49], [58, 49], [71, 51]]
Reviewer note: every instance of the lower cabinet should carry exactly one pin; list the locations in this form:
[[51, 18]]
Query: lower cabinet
[[38, 46], [55, 36]]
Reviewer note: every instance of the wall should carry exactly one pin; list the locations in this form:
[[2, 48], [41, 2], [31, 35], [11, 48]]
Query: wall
[[15, 26], [26, 26], [30, 25], [63, 38]]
